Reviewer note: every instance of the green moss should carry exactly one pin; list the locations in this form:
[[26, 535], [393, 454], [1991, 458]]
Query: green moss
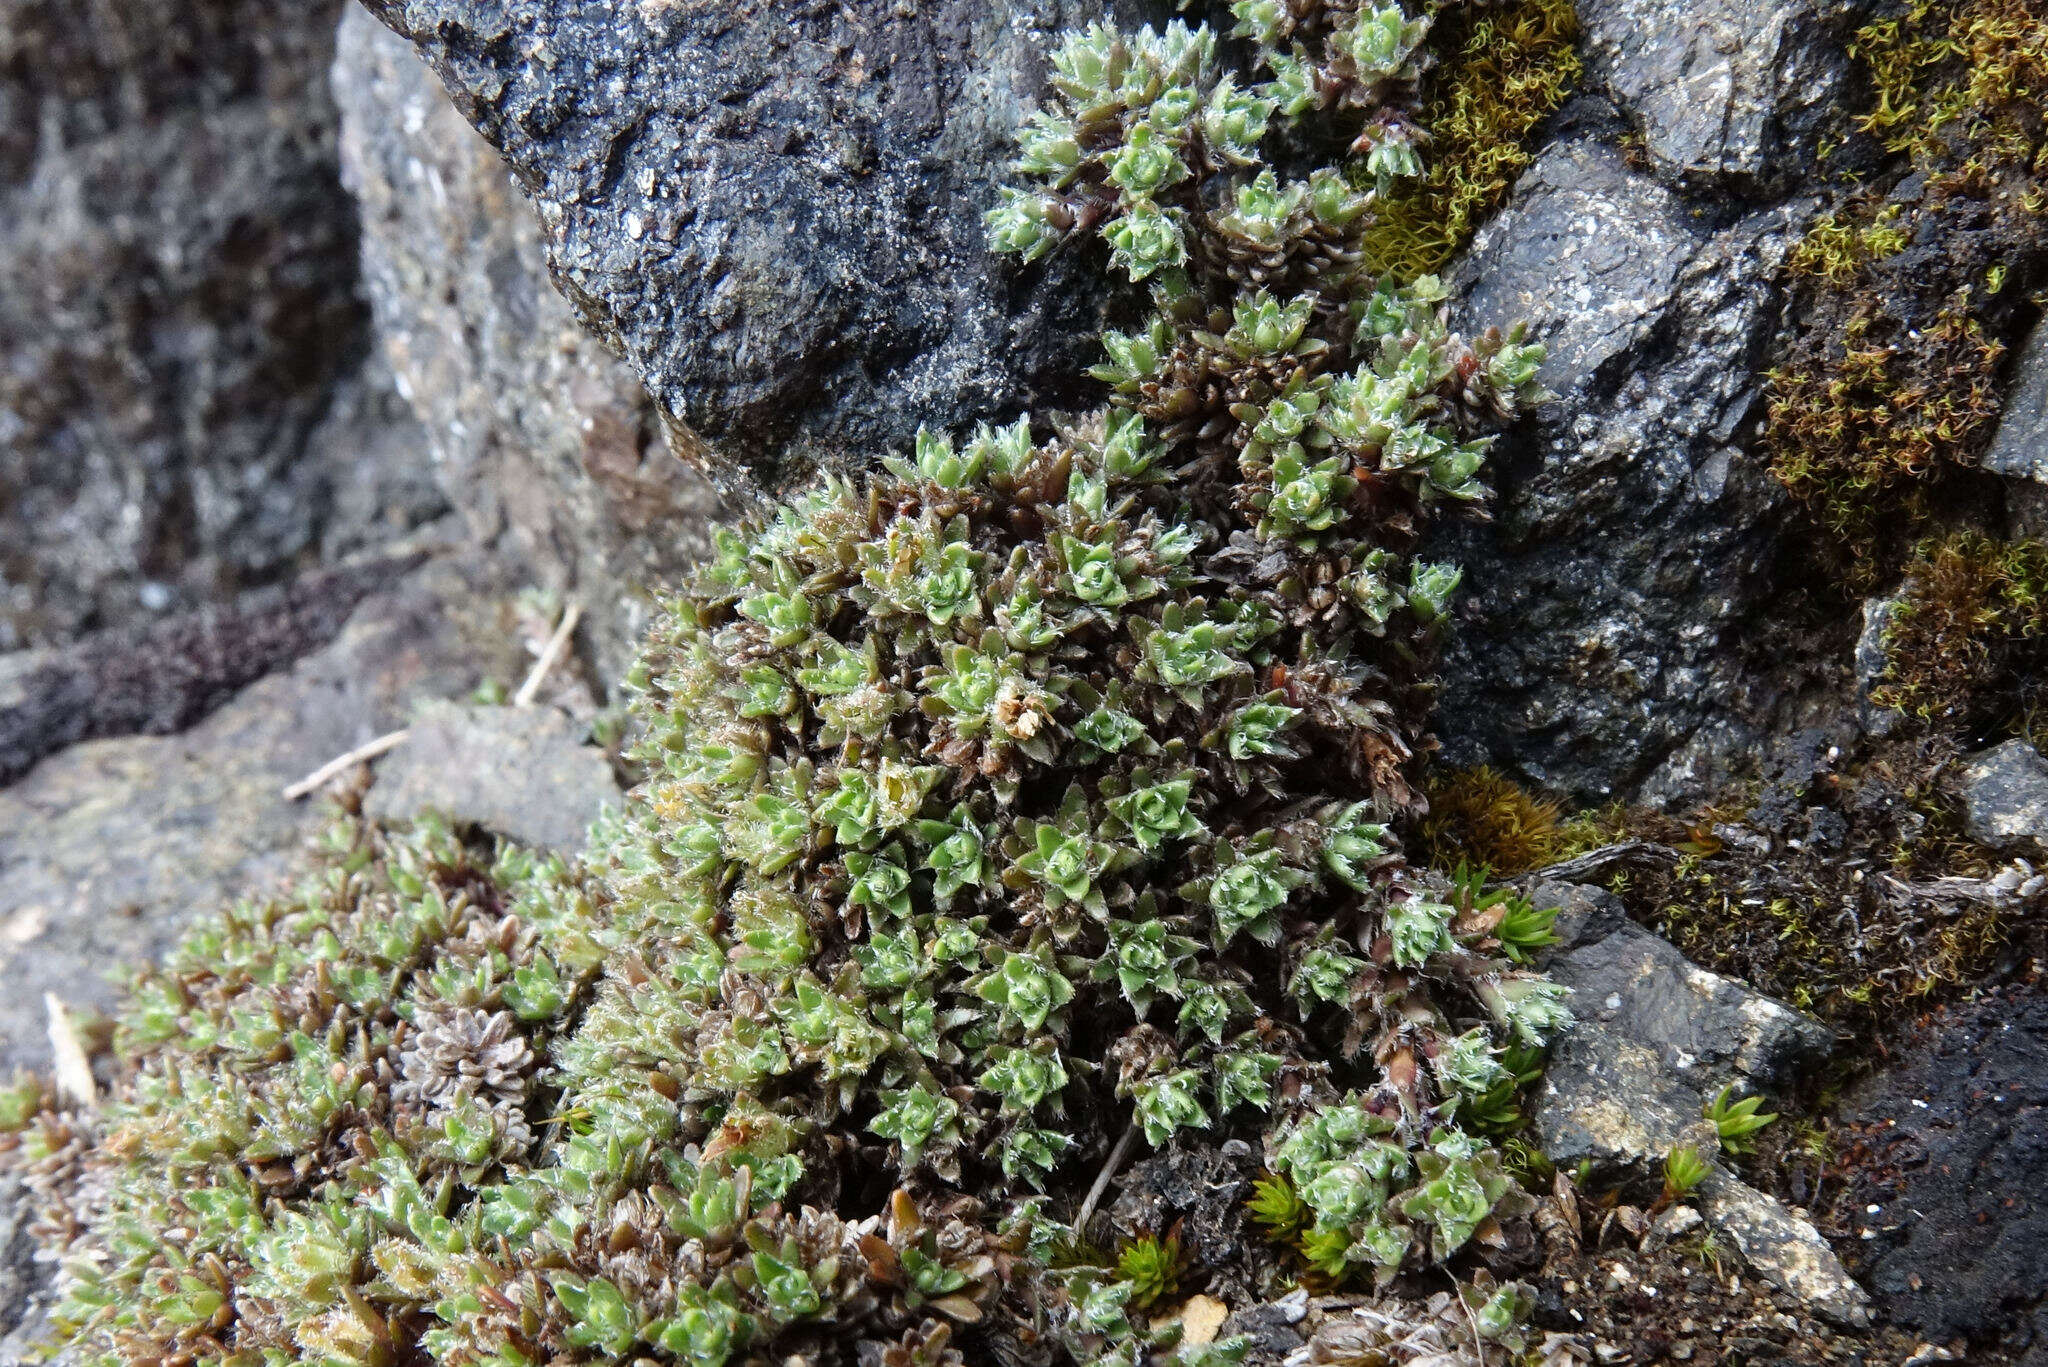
[[1971, 609], [1481, 817], [1503, 70], [1909, 296], [1838, 246]]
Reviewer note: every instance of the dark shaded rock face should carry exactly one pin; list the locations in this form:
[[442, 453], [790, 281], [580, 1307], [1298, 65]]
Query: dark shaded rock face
[[1609, 611], [536, 432], [177, 266], [1727, 91], [773, 212], [1949, 1191]]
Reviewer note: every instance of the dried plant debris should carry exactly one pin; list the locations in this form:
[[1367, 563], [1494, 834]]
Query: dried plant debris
[[1019, 810]]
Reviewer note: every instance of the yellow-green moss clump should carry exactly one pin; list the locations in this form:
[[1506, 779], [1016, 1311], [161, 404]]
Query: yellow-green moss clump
[[1970, 605], [1483, 818], [1503, 70], [1909, 296]]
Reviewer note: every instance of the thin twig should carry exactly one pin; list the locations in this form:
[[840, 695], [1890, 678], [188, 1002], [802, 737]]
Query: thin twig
[[390, 740], [1116, 1159], [1599, 861], [73, 1068], [1478, 1339], [530, 690]]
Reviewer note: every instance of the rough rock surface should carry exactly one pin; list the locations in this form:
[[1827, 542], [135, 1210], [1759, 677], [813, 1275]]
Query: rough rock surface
[[1783, 1247], [2020, 446], [1610, 606], [177, 305], [107, 848], [157, 678], [1948, 1198], [1724, 89], [537, 434], [2005, 797], [774, 212], [1656, 1037], [1871, 661], [520, 772]]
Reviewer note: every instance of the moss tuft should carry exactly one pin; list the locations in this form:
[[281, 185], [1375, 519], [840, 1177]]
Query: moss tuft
[[1909, 297], [1502, 70], [1970, 606], [1483, 817]]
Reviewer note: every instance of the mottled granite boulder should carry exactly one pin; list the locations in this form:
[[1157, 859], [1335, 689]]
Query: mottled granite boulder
[[2005, 798], [2020, 447], [1722, 91], [773, 212], [1656, 1038]]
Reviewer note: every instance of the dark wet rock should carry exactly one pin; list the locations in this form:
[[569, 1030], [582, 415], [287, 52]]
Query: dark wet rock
[[157, 678], [774, 212], [1271, 1328], [109, 848], [1611, 607], [536, 433], [2020, 446], [1202, 1189], [520, 772], [2005, 797], [1947, 1204], [1731, 90], [177, 305], [1656, 1038]]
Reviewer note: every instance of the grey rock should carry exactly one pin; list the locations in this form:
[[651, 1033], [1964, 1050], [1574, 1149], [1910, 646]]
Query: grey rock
[[160, 677], [1720, 89], [1656, 1037], [520, 772], [773, 212], [19, 1274], [1611, 607], [537, 434], [2005, 797], [1871, 662], [177, 305], [2020, 446], [1783, 1248], [110, 847]]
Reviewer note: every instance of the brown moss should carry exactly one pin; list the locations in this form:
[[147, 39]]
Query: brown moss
[[1502, 71], [1971, 610], [1909, 296], [1482, 817]]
